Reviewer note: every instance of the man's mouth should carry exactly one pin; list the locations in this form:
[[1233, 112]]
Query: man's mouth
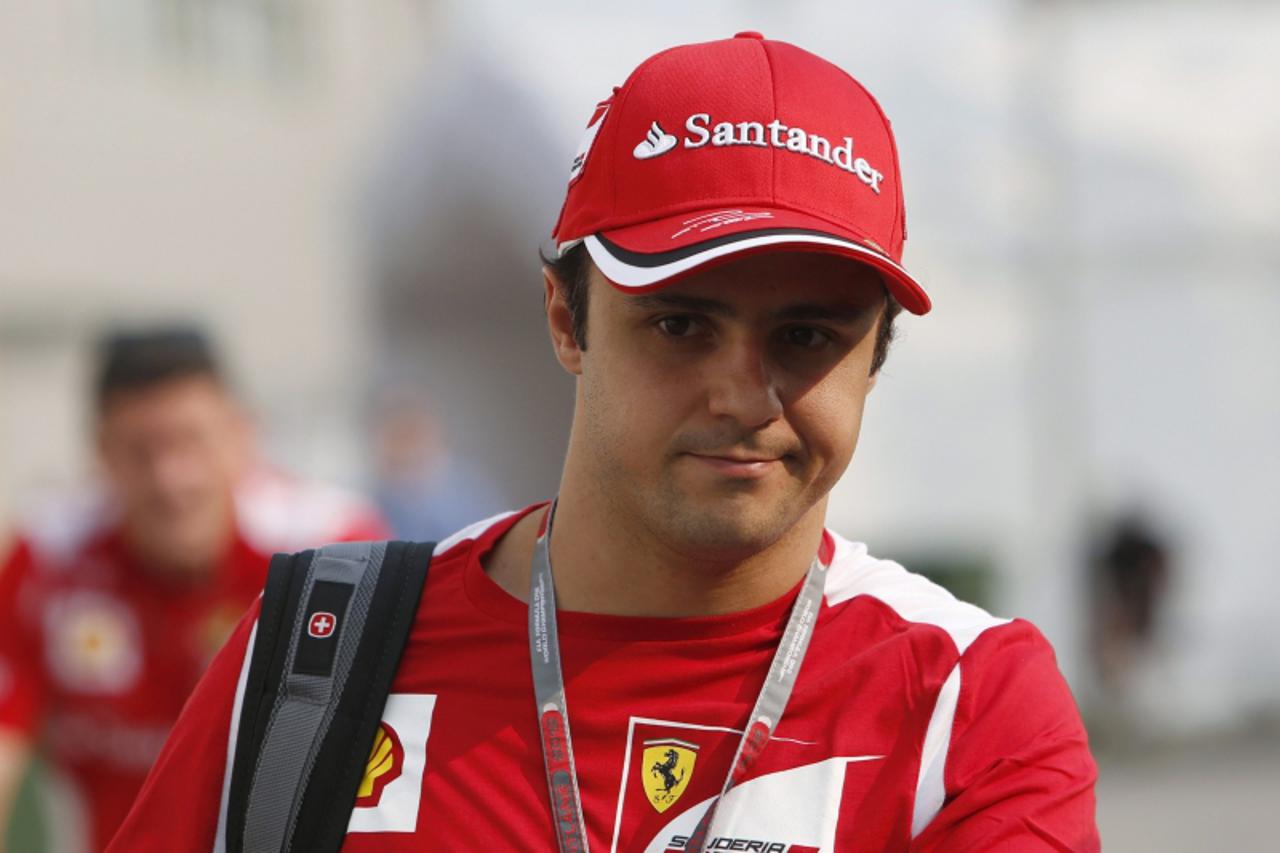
[[745, 466]]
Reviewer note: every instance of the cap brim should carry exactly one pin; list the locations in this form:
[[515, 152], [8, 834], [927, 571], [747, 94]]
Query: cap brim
[[655, 254]]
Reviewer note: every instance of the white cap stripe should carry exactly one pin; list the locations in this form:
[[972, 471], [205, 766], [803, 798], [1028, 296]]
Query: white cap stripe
[[626, 275]]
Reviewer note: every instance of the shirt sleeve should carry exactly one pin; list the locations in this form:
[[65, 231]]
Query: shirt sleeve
[[179, 805], [22, 681], [1018, 774]]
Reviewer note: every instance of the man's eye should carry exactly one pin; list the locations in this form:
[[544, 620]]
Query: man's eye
[[806, 337], [677, 326]]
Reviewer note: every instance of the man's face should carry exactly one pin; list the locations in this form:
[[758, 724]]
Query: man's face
[[173, 453], [722, 409]]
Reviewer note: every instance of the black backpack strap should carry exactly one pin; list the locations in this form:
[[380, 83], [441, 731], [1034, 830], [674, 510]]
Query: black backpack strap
[[341, 762], [318, 679], [268, 648]]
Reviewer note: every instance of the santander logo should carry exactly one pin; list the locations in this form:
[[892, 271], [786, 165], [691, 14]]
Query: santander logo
[[656, 141], [700, 132]]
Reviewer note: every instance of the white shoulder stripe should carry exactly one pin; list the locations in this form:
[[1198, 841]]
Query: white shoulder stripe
[[220, 840], [916, 599], [472, 531], [931, 788], [854, 572], [277, 513]]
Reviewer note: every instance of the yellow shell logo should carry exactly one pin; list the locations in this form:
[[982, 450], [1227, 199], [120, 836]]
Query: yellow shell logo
[[386, 760], [668, 766]]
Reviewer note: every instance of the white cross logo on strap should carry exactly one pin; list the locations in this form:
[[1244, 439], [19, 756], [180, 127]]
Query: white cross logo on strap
[[322, 624]]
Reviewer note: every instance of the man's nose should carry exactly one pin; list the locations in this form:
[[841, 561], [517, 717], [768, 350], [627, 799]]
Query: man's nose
[[173, 473], [744, 385]]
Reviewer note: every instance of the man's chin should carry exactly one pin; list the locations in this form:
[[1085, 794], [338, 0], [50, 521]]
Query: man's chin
[[732, 526]]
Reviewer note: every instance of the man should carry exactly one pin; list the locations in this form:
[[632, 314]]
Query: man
[[112, 606], [711, 668]]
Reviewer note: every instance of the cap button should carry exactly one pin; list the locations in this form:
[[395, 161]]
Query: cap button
[[749, 34]]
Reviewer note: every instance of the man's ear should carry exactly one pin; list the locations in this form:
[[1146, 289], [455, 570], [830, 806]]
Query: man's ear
[[560, 323]]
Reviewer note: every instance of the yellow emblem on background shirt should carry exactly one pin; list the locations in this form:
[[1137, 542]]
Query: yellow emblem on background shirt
[[668, 766], [94, 642]]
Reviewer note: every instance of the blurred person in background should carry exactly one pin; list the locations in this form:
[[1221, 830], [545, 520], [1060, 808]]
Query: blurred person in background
[[424, 489], [1130, 576], [113, 602]]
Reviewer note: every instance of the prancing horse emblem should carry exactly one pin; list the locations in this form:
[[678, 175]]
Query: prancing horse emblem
[[666, 769], [668, 766]]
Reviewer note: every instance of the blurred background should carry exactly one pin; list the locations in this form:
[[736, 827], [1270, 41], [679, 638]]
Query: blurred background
[[349, 197]]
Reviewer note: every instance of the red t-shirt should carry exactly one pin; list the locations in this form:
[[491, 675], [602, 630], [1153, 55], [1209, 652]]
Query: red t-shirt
[[917, 722], [98, 654]]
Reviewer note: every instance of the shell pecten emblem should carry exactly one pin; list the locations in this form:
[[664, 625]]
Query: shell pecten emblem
[[386, 761]]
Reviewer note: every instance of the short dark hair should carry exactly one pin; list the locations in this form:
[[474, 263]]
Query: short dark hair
[[136, 359], [573, 271]]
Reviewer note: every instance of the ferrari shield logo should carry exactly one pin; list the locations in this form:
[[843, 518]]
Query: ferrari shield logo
[[668, 767]]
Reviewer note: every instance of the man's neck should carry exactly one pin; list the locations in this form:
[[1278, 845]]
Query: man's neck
[[604, 564]]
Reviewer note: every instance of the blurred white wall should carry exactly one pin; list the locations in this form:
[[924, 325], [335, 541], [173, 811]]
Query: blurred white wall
[[1174, 207]]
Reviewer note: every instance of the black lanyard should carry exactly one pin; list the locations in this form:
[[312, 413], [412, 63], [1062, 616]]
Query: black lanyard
[[553, 715]]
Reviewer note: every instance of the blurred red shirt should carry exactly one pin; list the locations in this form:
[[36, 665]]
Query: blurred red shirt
[[98, 654]]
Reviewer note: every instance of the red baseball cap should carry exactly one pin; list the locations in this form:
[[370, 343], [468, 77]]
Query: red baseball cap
[[712, 151]]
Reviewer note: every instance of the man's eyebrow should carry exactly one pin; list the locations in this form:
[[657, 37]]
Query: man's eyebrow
[[841, 312], [681, 302]]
